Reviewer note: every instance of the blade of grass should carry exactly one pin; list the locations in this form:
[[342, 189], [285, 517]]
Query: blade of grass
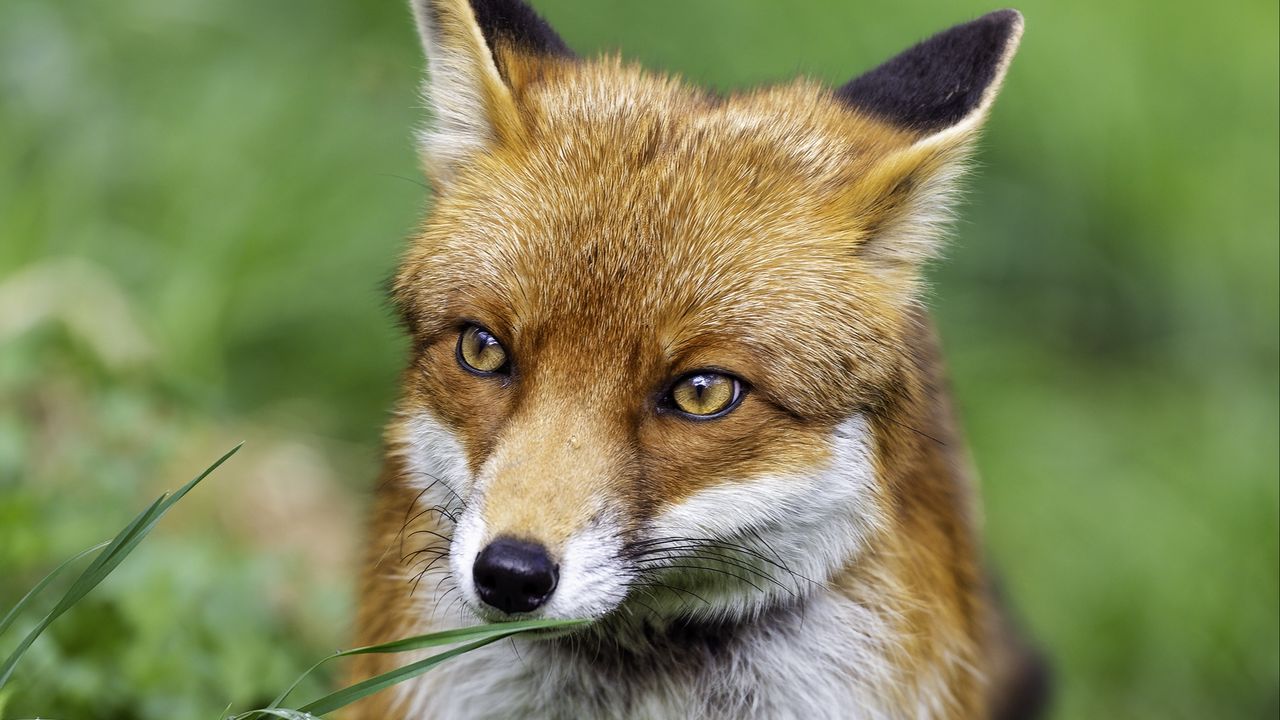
[[102, 566], [280, 713], [40, 586], [87, 580], [348, 695], [446, 637]]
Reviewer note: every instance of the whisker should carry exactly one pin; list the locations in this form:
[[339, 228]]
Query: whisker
[[436, 606], [456, 600], [404, 525], [682, 591], [716, 570], [724, 559], [437, 559], [447, 576], [441, 481], [408, 180], [443, 537], [794, 576], [430, 552], [442, 510], [654, 545]]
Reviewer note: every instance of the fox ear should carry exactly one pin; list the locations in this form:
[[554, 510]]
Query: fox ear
[[940, 92], [944, 81], [479, 53]]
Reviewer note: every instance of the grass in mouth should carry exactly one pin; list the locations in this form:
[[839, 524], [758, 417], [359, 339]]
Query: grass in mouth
[[112, 552]]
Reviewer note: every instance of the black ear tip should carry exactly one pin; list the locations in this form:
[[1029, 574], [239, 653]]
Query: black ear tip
[[518, 23], [1007, 16], [1007, 23], [941, 80], [993, 32]]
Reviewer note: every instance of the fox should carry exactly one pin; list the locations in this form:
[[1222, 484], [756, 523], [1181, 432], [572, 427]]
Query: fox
[[672, 373]]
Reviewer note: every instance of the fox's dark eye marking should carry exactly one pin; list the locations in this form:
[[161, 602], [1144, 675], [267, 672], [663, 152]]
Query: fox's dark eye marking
[[705, 395], [480, 353]]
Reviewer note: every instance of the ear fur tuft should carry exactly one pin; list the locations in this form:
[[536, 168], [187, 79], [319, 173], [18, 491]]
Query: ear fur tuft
[[470, 96]]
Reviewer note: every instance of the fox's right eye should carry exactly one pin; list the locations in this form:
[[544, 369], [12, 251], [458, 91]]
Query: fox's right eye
[[480, 352]]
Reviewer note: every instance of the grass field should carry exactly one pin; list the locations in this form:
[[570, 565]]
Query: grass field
[[200, 201]]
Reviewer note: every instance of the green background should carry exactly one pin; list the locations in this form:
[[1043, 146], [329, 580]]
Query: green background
[[200, 200]]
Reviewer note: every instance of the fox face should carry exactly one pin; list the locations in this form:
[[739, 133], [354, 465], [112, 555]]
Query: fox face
[[659, 335]]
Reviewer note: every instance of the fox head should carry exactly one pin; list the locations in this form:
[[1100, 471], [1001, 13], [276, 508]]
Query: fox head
[[653, 327]]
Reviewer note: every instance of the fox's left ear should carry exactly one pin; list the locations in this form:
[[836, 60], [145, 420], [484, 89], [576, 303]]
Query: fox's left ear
[[479, 55], [940, 92]]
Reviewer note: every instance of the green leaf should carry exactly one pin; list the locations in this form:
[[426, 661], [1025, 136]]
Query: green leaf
[[485, 633], [275, 712], [102, 566], [457, 635], [40, 586], [348, 695]]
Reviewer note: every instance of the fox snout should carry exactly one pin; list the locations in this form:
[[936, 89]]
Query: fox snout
[[541, 533]]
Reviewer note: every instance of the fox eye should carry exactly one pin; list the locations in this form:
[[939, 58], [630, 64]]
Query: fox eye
[[480, 352], [705, 395]]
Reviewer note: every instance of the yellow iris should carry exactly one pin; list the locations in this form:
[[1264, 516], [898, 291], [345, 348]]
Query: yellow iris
[[705, 393], [479, 351]]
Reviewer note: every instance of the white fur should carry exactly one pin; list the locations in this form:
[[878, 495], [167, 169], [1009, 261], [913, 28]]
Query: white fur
[[434, 458], [460, 73], [592, 580], [436, 468], [813, 524]]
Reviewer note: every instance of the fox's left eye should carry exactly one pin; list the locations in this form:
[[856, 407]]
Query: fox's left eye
[[480, 352], [705, 395]]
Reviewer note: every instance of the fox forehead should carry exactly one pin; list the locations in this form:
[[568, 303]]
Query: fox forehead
[[641, 218]]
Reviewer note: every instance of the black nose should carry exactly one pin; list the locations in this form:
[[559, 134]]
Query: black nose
[[514, 576]]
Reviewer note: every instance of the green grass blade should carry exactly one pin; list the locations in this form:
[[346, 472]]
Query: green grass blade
[[102, 566], [449, 637], [108, 558], [88, 578], [446, 637], [275, 712], [134, 533], [40, 586], [114, 546], [294, 685], [348, 695]]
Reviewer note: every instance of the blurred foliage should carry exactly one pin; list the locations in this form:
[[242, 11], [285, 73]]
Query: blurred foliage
[[199, 201]]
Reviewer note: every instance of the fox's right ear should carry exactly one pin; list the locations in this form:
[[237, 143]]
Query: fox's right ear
[[479, 52]]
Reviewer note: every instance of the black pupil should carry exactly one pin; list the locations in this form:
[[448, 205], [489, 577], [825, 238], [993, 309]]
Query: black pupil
[[700, 384], [482, 350]]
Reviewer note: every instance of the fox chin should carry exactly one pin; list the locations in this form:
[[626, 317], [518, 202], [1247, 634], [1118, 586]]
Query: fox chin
[[671, 373]]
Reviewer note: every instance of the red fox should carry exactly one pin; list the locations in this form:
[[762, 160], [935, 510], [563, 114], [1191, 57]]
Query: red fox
[[671, 373]]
